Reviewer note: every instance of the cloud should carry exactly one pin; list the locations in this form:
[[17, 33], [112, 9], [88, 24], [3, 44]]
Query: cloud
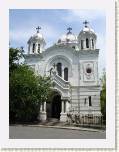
[[53, 24], [81, 15], [25, 32], [49, 31], [16, 35], [88, 14]]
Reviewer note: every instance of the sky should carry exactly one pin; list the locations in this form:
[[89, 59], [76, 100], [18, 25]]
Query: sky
[[54, 23]]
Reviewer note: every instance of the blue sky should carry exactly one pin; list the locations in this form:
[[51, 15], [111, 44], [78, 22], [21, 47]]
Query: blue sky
[[54, 23]]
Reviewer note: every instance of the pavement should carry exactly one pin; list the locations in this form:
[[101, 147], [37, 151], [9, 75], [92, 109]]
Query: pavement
[[62, 125], [54, 129], [50, 132]]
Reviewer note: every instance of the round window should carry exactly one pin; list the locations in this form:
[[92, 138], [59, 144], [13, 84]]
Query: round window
[[88, 70]]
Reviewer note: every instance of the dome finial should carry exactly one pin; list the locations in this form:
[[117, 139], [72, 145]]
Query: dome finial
[[38, 28], [69, 30], [86, 22]]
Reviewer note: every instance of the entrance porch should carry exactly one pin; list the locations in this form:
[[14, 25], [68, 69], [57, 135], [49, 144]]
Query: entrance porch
[[56, 108]]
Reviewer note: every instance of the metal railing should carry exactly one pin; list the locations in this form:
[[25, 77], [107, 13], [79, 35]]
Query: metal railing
[[87, 120]]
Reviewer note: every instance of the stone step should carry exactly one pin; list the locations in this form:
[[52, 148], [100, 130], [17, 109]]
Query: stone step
[[52, 122]]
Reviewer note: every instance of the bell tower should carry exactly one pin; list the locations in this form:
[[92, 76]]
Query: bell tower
[[87, 38], [88, 56], [36, 43]]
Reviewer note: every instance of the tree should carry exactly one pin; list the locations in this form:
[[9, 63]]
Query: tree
[[14, 57], [103, 96], [26, 90]]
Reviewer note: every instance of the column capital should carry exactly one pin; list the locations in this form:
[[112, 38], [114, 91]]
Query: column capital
[[65, 100]]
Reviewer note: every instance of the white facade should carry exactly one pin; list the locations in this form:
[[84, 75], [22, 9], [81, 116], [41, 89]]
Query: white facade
[[73, 65]]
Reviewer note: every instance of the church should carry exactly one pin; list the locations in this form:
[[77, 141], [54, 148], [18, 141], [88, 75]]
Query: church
[[72, 64]]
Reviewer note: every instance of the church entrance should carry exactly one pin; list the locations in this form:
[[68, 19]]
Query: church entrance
[[54, 107]]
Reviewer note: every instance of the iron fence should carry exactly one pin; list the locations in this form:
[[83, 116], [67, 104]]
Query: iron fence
[[87, 120]]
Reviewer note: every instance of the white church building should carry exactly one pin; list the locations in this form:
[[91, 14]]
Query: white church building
[[72, 63]]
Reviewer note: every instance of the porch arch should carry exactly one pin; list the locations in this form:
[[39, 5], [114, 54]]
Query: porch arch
[[59, 59], [54, 106]]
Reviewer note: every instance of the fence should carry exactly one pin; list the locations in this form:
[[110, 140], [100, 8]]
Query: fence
[[89, 120]]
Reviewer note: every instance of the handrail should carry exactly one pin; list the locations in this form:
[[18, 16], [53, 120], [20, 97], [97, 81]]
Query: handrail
[[60, 81]]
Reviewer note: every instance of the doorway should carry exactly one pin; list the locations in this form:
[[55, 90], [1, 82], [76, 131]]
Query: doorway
[[56, 106]]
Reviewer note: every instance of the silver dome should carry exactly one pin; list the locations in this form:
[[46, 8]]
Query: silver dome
[[68, 38], [37, 36]]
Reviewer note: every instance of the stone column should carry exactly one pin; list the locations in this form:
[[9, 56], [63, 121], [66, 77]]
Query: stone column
[[84, 44], [67, 106], [90, 43], [44, 106], [30, 46], [40, 107], [42, 116], [35, 48], [63, 116], [62, 72], [62, 107], [94, 41]]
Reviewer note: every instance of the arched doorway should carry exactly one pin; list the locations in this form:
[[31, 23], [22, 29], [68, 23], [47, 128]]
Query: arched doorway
[[53, 107], [56, 106]]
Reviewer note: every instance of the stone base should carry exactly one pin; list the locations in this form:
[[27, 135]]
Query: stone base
[[63, 117], [42, 116]]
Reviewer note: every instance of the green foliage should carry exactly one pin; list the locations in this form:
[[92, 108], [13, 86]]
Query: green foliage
[[26, 91], [14, 56], [103, 95]]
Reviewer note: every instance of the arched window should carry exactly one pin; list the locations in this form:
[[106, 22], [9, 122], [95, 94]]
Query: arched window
[[92, 44], [59, 69], [38, 48], [87, 43], [85, 101], [90, 103], [33, 47], [81, 44], [66, 74]]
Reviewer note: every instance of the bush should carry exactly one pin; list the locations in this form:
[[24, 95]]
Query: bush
[[27, 91]]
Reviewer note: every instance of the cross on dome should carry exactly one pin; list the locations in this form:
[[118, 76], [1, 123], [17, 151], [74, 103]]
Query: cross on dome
[[38, 28], [69, 30], [86, 22]]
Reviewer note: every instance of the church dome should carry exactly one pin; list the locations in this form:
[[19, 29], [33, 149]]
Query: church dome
[[87, 30], [69, 37], [38, 36]]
